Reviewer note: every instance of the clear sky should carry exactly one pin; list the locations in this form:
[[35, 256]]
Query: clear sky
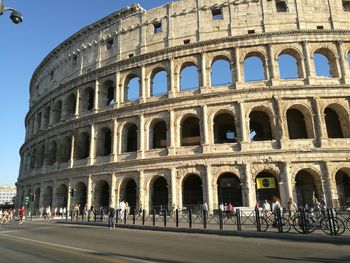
[[22, 47]]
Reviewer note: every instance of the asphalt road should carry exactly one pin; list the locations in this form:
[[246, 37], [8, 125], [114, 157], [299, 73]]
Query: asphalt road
[[48, 242]]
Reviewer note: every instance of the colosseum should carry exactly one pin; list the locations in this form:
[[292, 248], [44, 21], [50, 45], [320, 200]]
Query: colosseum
[[211, 101]]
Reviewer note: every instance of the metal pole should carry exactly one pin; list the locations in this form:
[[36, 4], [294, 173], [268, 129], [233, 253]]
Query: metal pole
[[190, 218], [238, 214], [177, 217]]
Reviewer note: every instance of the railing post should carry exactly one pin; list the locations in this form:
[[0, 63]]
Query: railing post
[[257, 219], [154, 217], [125, 215], [238, 215], [143, 217], [220, 220], [67, 212], [190, 218], [117, 216], [330, 219], [133, 216], [303, 221], [279, 220], [205, 219], [164, 213], [177, 217]]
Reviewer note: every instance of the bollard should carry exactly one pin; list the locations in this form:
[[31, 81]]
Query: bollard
[[133, 216], [67, 215], [117, 216], [143, 217], [220, 220], [238, 215], [95, 215], [164, 213], [177, 217], [331, 222], [257, 219], [154, 217], [125, 215], [279, 220], [204, 219], [303, 221], [190, 218], [82, 216]]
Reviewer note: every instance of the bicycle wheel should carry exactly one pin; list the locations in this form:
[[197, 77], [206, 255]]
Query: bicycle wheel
[[263, 224], [285, 225], [347, 222], [305, 226], [327, 224]]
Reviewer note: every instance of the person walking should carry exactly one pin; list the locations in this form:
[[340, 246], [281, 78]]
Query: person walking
[[111, 216], [21, 215], [292, 207], [122, 209]]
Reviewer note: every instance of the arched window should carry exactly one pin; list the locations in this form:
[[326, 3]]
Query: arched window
[[159, 135], [224, 128], [307, 188], [159, 83], [81, 196], [61, 196], [106, 96], [41, 156], [343, 188], [333, 125], [221, 73], [32, 159], [104, 142], [69, 106], [131, 194], [52, 156], [296, 125], [101, 194], [160, 194], [65, 149], [57, 111], [266, 187], [38, 126], [325, 63], [189, 78], [190, 132], [349, 55], [83, 146], [254, 69], [260, 127], [87, 100], [288, 67], [229, 189], [132, 89], [131, 138], [46, 117], [192, 193], [47, 198]]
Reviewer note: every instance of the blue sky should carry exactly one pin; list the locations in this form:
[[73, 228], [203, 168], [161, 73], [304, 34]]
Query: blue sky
[[22, 47]]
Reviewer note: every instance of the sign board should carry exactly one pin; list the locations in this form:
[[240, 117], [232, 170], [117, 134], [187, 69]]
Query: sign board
[[265, 183]]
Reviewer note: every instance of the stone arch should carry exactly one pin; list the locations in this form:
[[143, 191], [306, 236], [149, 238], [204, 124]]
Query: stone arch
[[189, 75], [46, 117], [47, 197], [266, 186], [159, 81], [158, 134], [325, 59], [65, 149], [87, 100], [106, 93], [192, 192], [132, 87], [40, 158], [229, 189], [224, 127], [104, 142], [299, 121], [80, 198], [130, 137], [56, 112], [255, 60], [62, 196], [190, 130], [52, 154], [261, 124], [293, 62], [82, 149], [129, 192], [69, 106], [342, 179], [221, 71], [159, 190], [337, 121], [101, 194]]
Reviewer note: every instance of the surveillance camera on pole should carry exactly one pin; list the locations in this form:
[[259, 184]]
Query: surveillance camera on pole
[[15, 16]]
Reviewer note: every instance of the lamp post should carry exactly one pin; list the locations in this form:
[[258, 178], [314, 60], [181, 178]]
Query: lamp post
[[15, 16]]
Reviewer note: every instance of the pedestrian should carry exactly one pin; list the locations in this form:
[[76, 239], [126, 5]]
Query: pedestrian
[[229, 210], [276, 205], [101, 213], [122, 209], [111, 217], [21, 215], [292, 207], [266, 208]]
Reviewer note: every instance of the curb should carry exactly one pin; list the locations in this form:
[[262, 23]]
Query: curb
[[341, 240]]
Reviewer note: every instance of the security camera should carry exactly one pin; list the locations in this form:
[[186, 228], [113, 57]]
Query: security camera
[[16, 17]]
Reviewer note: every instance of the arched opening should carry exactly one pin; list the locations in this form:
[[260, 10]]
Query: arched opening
[[132, 89], [160, 194], [104, 142], [32, 159], [47, 198], [69, 106], [87, 100], [41, 156], [189, 78], [260, 127], [36, 200], [131, 138], [83, 146], [325, 63], [159, 83], [221, 73], [296, 125], [159, 132], [62, 196], [38, 125], [333, 125], [81, 196], [288, 66], [307, 188], [56, 112], [65, 149], [343, 188], [224, 128], [192, 193], [266, 186], [52, 156], [101, 194], [46, 117], [190, 132], [229, 189], [254, 69], [106, 96], [131, 194]]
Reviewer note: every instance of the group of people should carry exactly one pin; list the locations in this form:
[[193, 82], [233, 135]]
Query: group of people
[[8, 215]]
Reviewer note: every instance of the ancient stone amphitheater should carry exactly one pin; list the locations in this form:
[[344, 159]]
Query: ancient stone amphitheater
[[194, 101]]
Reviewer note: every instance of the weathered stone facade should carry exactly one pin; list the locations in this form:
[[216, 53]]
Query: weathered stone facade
[[82, 134]]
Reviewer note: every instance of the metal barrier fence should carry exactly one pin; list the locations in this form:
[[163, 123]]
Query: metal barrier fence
[[303, 221]]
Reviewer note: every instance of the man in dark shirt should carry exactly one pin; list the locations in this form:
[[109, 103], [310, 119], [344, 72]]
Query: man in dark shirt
[[111, 217]]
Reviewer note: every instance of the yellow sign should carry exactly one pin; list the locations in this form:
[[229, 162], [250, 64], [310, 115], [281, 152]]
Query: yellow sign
[[265, 183]]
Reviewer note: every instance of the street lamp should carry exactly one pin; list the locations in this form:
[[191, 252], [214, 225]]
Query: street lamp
[[15, 16]]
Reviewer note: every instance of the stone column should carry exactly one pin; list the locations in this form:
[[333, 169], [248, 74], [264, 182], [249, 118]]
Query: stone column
[[96, 97], [89, 193], [203, 71], [310, 72], [92, 144], [115, 140], [318, 119], [272, 65], [243, 132], [142, 192], [77, 101], [69, 200], [144, 86], [172, 80], [287, 177], [250, 189], [326, 180], [344, 65], [174, 189], [172, 142], [117, 91], [141, 151], [112, 194], [71, 160], [209, 187], [238, 65], [205, 128], [41, 198], [279, 121]]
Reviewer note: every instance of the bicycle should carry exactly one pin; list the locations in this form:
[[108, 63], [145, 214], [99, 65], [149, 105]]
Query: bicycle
[[331, 224], [304, 223], [273, 220]]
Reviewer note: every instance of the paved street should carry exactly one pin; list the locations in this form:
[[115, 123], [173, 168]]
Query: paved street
[[49, 242]]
